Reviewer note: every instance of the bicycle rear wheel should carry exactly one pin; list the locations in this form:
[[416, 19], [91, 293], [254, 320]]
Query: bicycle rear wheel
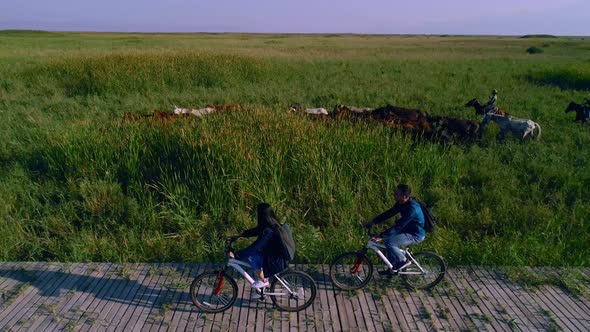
[[299, 291], [429, 271], [214, 291], [351, 270]]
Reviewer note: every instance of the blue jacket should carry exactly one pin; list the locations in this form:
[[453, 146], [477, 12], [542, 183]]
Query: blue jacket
[[269, 245], [411, 219]]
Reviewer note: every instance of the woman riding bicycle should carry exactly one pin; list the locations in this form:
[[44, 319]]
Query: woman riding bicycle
[[264, 253]]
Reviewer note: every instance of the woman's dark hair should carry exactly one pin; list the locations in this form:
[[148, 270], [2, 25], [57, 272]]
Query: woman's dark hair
[[266, 217]]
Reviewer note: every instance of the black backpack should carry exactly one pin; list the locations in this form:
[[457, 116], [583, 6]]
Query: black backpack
[[429, 218], [287, 242]]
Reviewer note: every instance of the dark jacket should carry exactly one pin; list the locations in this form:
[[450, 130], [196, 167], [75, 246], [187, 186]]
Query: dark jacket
[[411, 219], [267, 243]]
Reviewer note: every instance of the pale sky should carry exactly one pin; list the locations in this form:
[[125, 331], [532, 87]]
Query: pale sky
[[498, 17]]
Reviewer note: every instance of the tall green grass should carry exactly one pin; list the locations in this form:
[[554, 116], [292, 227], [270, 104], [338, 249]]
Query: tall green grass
[[78, 183]]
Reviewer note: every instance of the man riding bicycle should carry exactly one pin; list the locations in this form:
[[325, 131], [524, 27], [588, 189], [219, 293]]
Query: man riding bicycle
[[409, 229]]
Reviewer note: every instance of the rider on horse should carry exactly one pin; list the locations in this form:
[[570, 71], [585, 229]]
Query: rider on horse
[[490, 107]]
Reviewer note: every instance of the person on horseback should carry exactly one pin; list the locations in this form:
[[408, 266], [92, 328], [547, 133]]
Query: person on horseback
[[490, 107]]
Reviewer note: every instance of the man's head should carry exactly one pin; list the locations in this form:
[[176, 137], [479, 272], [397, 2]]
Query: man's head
[[402, 193]]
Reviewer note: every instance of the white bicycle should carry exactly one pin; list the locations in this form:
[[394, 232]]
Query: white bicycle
[[353, 270], [216, 291]]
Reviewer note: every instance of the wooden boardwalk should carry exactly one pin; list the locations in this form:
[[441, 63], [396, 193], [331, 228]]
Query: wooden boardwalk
[[41, 296]]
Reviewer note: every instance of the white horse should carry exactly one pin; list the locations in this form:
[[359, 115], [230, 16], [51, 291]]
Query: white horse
[[313, 111], [199, 112], [521, 127]]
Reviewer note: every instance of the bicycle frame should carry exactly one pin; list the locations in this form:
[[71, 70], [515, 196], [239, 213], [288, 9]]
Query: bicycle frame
[[237, 265], [375, 246]]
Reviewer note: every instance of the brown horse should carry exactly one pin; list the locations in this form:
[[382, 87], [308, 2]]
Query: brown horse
[[343, 111], [582, 111], [480, 109], [446, 128], [398, 117]]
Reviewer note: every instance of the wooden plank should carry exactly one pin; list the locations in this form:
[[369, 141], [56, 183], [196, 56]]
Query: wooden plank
[[167, 298], [448, 306], [110, 293], [465, 297], [112, 313], [116, 297], [70, 312], [480, 314], [367, 305], [584, 285], [426, 301], [345, 310], [413, 311], [107, 292], [550, 310], [29, 296], [151, 308], [194, 320], [14, 276], [87, 315], [392, 320], [118, 313], [329, 317], [510, 311], [527, 305], [546, 296], [574, 305], [461, 307], [23, 289], [10, 274], [46, 314], [483, 298], [142, 298], [183, 303], [532, 312], [307, 316]]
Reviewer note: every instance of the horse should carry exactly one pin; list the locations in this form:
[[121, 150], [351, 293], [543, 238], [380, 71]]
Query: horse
[[196, 112], [312, 111], [582, 111], [399, 117], [344, 111], [446, 128], [522, 127], [480, 109], [230, 107]]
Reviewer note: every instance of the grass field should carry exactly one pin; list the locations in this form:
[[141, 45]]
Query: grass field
[[79, 184]]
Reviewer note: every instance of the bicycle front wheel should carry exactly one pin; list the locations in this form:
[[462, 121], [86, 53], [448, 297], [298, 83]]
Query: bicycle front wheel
[[351, 270], [298, 291], [429, 271], [214, 291]]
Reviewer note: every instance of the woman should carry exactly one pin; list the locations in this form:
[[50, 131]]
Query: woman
[[264, 253]]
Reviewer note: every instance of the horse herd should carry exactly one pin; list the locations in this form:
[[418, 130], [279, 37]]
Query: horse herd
[[440, 128]]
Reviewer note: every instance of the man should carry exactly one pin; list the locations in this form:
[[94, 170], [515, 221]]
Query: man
[[409, 229], [490, 107]]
